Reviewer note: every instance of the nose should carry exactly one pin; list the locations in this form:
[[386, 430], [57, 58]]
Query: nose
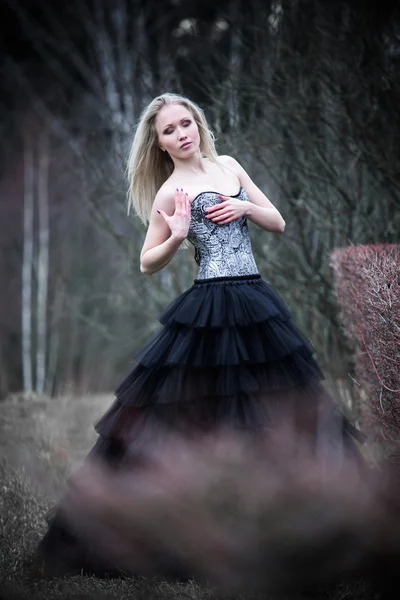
[[181, 134]]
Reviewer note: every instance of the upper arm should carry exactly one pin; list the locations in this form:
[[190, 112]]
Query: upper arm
[[253, 192], [158, 230]]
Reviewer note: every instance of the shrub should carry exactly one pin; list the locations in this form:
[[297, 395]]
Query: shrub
[[368, 292]]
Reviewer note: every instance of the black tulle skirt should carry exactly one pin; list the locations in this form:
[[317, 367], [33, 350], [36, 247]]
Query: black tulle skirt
[[227, 354]]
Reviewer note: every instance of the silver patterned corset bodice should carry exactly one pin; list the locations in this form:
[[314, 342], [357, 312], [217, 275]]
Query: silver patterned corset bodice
[[220, 250]]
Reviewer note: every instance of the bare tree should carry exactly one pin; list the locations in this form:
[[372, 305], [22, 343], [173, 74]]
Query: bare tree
[[42, 259], [303, 113], [27, 263]]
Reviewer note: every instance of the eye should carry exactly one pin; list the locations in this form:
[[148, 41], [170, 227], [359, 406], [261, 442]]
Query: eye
[[168, 131], [187, 123]]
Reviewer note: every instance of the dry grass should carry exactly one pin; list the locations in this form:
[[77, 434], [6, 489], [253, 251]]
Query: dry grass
[[41, 443]]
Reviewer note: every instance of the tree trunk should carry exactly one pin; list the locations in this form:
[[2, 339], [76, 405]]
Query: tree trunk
[[42, 260], [27, 262]]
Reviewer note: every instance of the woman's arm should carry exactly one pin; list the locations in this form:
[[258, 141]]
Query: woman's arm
[[165, 233], [259, 209]]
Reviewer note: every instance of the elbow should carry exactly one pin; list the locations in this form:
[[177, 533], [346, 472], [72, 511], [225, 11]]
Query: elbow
[[280, 226], [144, 270], [278, 222]]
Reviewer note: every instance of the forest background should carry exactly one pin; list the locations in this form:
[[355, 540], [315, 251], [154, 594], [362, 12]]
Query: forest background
[[305, 94]]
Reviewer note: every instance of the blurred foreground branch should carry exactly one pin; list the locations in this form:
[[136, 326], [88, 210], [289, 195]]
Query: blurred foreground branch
[[270, 516]]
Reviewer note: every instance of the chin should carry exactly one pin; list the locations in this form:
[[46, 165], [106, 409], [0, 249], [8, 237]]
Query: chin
[[194, 148]]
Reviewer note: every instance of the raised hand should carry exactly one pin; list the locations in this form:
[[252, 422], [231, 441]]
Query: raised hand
[[179, 222], [226, 211]]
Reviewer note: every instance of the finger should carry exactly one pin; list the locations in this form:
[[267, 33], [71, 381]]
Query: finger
[[220, 218], [226, 221], [185, 204], [218, 206], [179, 202], [217, 213], [178, 197], [188, 208], [182, 196], [163, 214]]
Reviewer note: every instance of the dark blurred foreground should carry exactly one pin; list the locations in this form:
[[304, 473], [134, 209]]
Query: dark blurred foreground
[[268, 516]]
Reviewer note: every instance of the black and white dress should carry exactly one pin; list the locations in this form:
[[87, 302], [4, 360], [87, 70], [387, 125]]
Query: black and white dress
[[227, 354]]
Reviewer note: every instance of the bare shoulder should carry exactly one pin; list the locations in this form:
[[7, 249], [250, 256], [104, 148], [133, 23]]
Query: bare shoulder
[[230, 162], [165, 197]]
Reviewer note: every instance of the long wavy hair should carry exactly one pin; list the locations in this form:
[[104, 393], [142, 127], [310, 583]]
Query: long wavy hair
[[148, 166]]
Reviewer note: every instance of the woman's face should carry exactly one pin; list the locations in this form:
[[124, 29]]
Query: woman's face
[[177, 131]]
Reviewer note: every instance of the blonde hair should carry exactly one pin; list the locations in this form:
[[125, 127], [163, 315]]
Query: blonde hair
[[148, 166]]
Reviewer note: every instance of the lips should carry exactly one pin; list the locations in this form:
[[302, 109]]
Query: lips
[[186, 145]]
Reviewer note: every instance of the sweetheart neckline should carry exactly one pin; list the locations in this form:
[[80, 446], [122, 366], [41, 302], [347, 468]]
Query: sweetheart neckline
[[218, 194]]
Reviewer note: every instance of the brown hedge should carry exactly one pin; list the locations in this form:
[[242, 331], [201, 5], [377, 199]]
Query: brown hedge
[[367, 281]]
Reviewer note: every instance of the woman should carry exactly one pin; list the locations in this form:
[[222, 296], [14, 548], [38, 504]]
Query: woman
[[228, 353]]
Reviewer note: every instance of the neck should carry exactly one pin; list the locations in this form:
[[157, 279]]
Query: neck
[[194, 164]]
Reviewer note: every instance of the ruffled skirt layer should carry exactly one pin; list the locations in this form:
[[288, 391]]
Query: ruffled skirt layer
[[227, 354]]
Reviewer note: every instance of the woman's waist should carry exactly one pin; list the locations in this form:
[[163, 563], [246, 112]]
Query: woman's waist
[[228, 278], [211, 269]]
